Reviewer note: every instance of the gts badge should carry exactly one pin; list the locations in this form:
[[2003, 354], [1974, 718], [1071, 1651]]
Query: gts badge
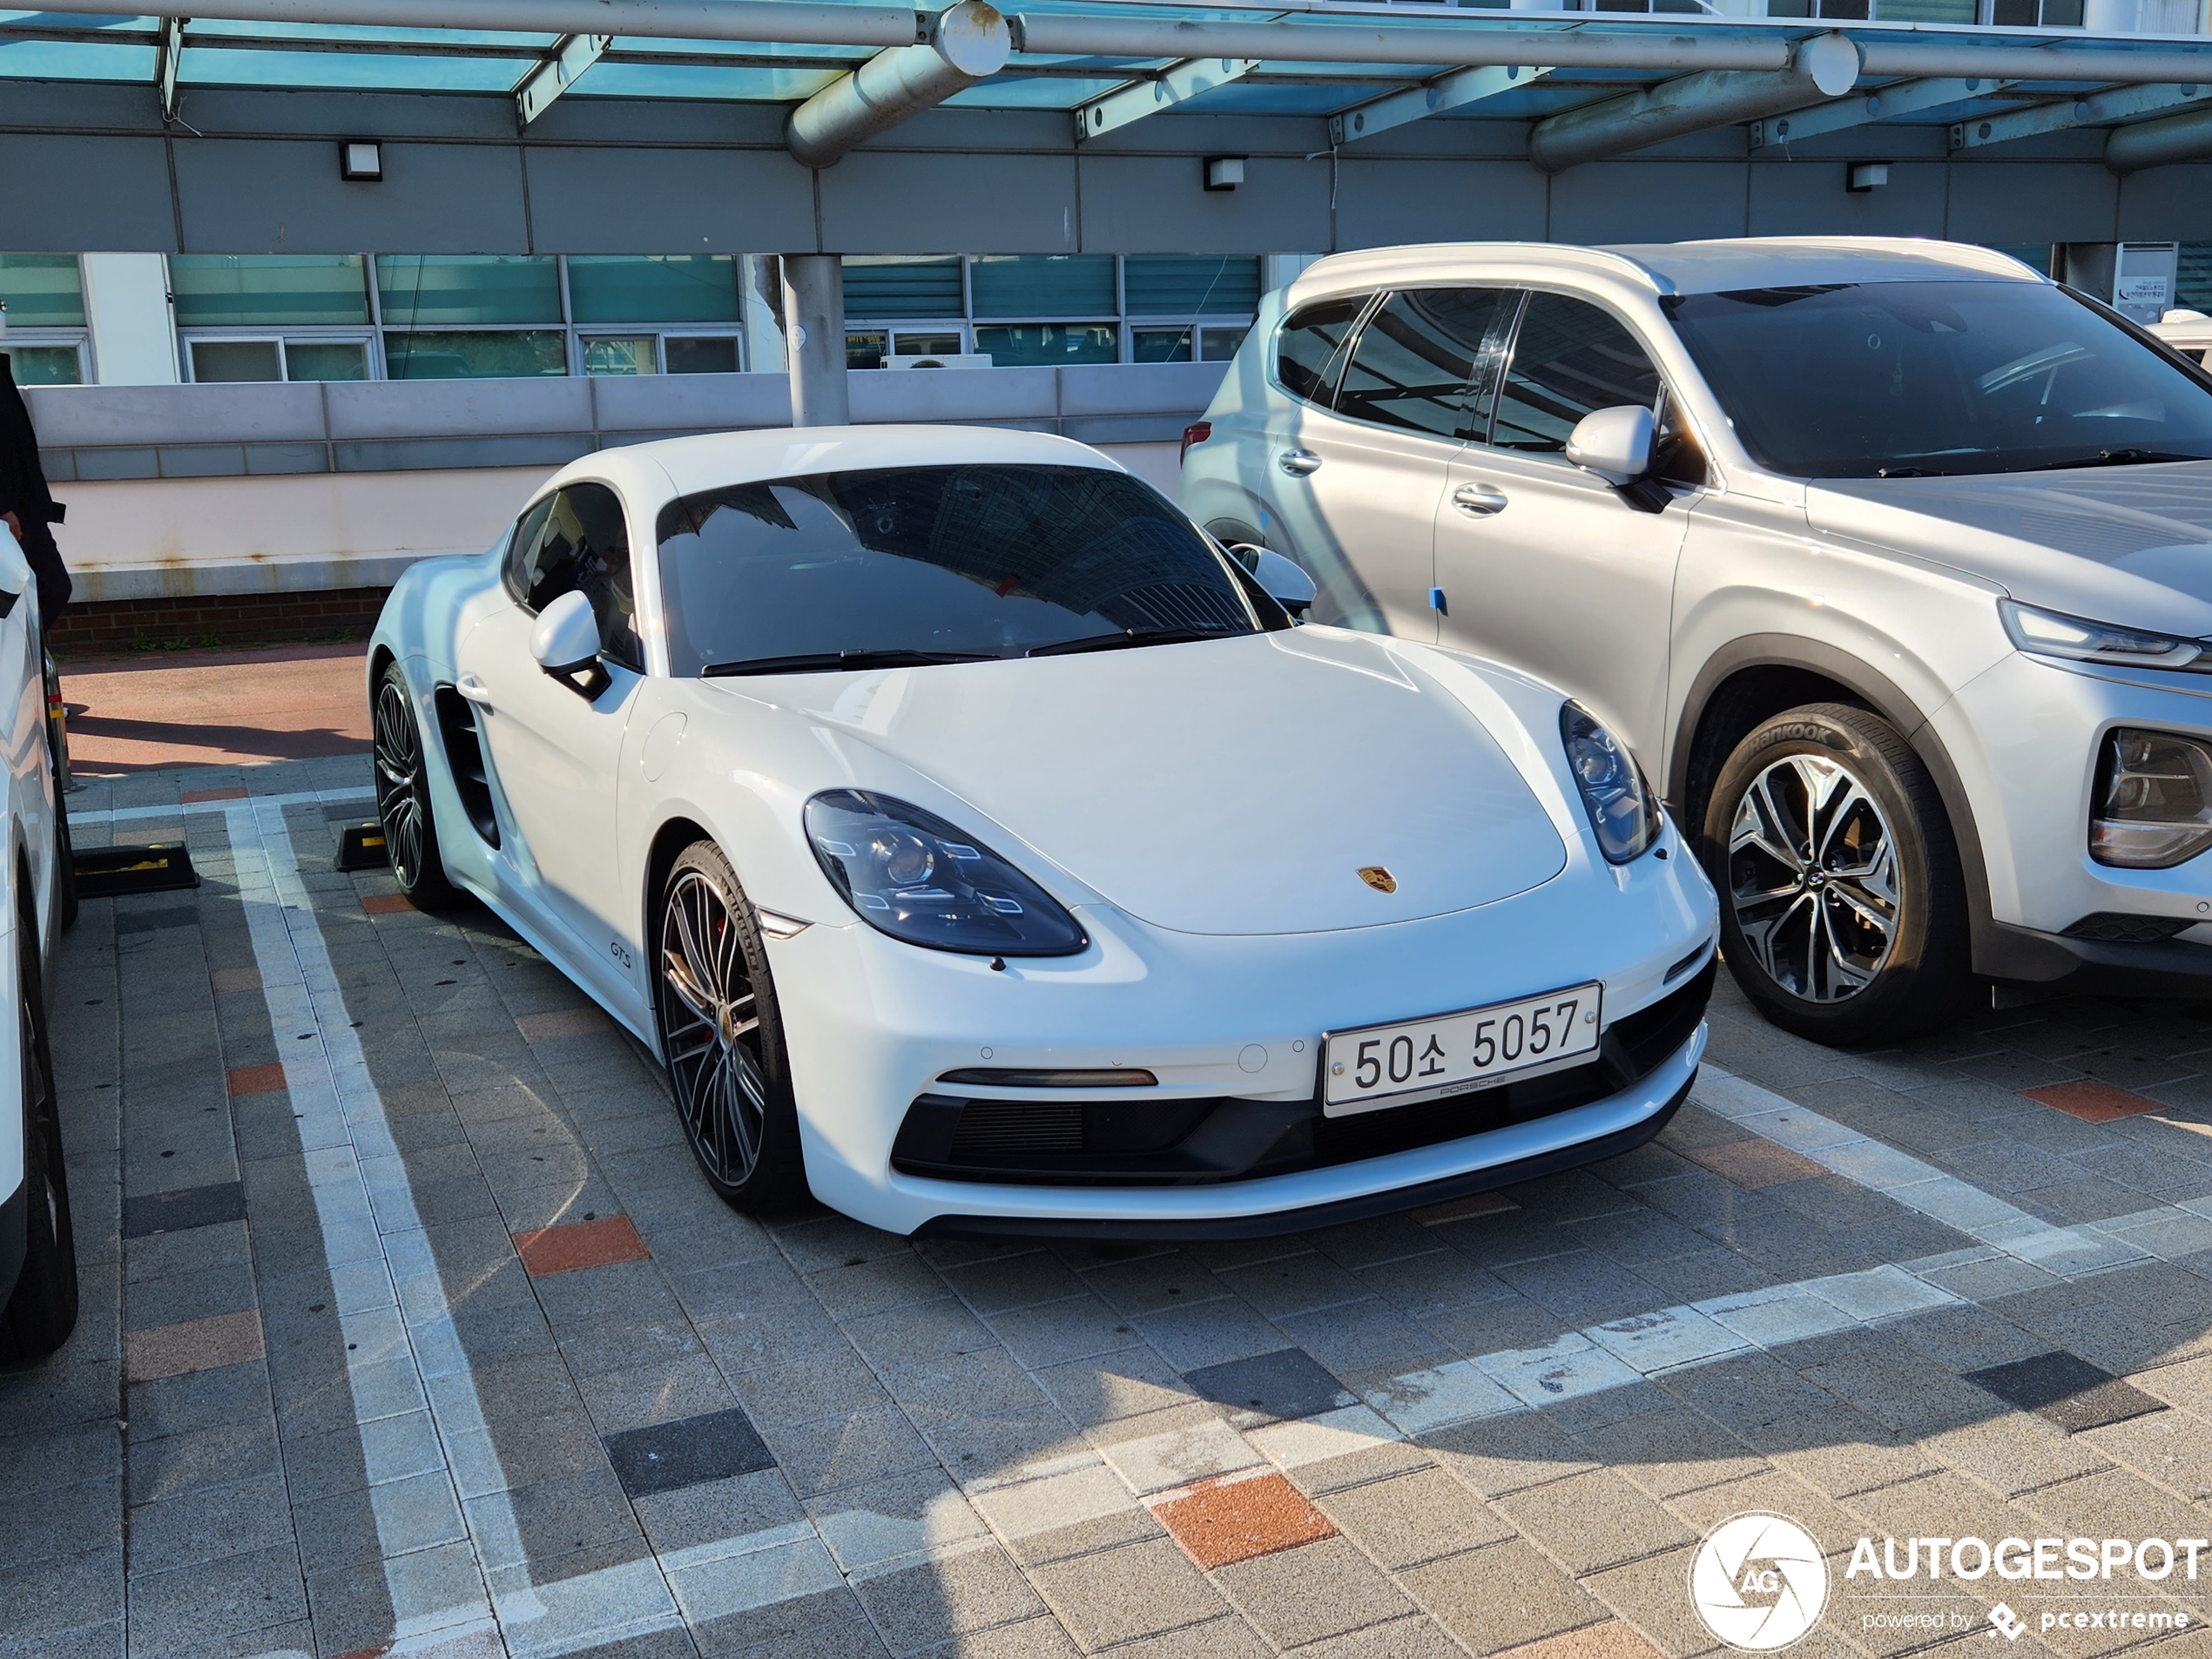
[[620, 952]]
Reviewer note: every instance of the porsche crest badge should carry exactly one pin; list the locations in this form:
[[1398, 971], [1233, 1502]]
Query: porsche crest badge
[[1378, 878]]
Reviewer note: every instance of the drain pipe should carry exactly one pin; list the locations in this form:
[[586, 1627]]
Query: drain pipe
[[1823, 66], [966, 43], [2154, 144]]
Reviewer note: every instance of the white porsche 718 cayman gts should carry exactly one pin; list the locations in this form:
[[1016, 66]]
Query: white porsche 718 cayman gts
[[984, 849]]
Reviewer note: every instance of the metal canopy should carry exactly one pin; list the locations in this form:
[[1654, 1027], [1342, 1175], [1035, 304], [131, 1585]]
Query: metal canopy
[[1365, 69]]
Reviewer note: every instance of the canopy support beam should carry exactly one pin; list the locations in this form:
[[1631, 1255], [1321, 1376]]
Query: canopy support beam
[[1440, 97], [2095, 109], [1901, 98], [165, 62], [570, 56], [1179, 83]]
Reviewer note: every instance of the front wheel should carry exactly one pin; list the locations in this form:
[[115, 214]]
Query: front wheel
[[723, 1041], [42, 1311], [402, 765], [1843, 912]]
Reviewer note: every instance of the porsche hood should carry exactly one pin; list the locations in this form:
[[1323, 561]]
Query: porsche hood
[[1236, 786]]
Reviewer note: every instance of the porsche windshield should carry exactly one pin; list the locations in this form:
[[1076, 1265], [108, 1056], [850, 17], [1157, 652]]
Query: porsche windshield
[[911, 565], [1907, 380]]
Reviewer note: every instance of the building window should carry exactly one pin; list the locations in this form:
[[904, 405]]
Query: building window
[[269, 290], [694, 291], [2193, 277], [42, 302]]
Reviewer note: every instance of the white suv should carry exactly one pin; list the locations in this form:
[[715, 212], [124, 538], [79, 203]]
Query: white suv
[[1893, 559]]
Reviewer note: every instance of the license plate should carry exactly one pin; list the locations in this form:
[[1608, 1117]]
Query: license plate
[[1456, 1054]]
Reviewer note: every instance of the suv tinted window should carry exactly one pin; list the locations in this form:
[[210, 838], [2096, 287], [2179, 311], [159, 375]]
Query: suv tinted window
[[1568, 359], [1306, 350], [583, 542], [1418, 359]]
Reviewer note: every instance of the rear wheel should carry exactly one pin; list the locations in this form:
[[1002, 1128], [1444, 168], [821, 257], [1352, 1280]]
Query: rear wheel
[[42, 1311], [1843, 912], [727, 1065], [403, 797]]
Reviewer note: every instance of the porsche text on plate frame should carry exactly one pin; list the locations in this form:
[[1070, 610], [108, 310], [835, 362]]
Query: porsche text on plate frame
[[1456, 1054]]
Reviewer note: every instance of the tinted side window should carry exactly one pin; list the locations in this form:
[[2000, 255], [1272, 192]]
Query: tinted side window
[[1305, 352], [514, 569], [1568, 358], [1419, 358], [585, 545]]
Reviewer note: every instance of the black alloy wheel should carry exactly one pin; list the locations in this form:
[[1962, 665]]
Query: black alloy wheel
[[1843, 911], [716, 1007], [403, 797], [42, 1310]]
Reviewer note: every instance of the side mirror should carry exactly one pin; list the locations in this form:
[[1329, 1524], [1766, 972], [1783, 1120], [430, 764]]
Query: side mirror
[[14, 571], [1614, 444], [1281, 578], [566, 643]]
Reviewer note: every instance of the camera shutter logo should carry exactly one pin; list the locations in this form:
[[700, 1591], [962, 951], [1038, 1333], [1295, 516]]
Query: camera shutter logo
[[1758, 1582]]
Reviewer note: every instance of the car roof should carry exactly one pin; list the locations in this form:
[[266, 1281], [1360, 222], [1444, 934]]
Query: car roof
[[1676, 267], [715, 460]]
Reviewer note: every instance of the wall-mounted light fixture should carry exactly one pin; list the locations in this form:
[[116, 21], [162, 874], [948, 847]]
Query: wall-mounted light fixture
[[1225, 173], [361, 160], [1866, 175]]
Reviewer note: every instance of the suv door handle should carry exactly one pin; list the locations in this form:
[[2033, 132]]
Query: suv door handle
[[1298, 464], [475, 690], [1479, 501]]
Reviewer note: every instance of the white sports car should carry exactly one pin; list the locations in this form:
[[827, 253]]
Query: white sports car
[[984, 848]]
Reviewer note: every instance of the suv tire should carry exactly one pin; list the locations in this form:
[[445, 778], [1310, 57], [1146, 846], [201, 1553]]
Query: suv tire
[[41, 1312], [1843, 912]]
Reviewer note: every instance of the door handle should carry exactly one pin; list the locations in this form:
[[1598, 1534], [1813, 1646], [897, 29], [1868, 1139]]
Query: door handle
[[1479, 501], [1298, 464], [475, 690]]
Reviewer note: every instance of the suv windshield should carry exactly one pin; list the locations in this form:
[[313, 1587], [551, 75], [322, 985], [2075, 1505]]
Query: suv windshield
[[1914, 379], [911, 565]]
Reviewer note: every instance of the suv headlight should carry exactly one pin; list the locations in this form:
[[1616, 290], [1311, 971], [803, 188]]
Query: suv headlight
[[2048, 633], [1622, 809], [2153, 801], [911, 874]]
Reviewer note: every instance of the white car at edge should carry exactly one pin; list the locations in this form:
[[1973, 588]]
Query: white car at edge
[[981, 848]]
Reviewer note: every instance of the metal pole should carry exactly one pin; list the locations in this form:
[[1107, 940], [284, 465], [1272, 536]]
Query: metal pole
[[814, 329], [968, 44], [2155, 144]]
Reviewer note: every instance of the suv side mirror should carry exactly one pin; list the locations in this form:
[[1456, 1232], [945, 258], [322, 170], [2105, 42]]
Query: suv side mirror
[[1281, 578], [566, 643], [1614, 444]]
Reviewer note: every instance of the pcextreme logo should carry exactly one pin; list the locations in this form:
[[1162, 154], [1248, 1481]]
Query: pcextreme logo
[[1759, 1581]]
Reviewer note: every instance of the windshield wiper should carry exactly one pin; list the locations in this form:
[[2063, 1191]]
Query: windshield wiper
[[1128, 637], [832, 662], [2114, 458], [1910, 472]]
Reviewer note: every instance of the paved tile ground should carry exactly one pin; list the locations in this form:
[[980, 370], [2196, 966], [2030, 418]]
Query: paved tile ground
[[408, 1326]]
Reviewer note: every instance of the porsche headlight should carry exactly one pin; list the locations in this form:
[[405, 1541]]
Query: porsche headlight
[[911, 874], [1622, 809], [2048, 633]]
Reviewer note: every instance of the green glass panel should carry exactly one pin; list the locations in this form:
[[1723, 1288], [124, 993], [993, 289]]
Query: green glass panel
[[1183, 287], [1925, 10], [2193, 277], [888, 288], [418, 290], [1160, 345], [625, 355], [679, 287], [42, 290], [45, 365], [1013, 345], [1043, 284], [1221, 344], [711, 354], [268, 290], [325, 359], [214, 361], [526, 354]]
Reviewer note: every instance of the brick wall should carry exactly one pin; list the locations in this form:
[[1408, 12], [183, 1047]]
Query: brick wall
[[229, 619]]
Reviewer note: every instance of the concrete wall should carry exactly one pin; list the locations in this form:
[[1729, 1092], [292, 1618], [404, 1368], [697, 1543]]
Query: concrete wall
[[185, 490], [92, 168]]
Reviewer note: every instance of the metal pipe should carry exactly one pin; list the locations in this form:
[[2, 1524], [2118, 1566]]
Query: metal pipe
[[1824, 66], [814, 333], [2152, 143], [2097, 67], [797, 22], [966, 43]]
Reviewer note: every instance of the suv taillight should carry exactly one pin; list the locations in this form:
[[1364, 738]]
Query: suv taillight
[[1197, 432]]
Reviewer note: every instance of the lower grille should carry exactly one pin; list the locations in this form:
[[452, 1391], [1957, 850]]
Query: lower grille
[[2112, 927], [1204, 1141]]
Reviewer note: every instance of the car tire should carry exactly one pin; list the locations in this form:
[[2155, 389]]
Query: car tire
[[1843, 911], [402, 765], [65, 900], [41, 1312], [714, 1006]]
